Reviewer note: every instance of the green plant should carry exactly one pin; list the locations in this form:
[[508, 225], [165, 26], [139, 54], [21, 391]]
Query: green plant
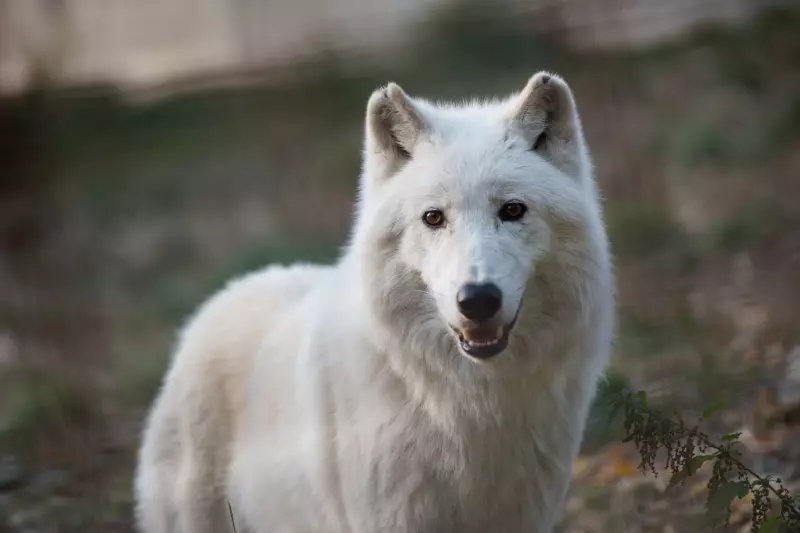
[[698, 142], [40, 403], [749, 227], [686, 449], [637, 231], [598, 431]]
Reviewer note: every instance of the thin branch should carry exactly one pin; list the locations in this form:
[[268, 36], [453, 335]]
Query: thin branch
[[233, 522]]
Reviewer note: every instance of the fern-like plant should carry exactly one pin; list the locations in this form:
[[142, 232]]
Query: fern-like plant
[[685, 448]]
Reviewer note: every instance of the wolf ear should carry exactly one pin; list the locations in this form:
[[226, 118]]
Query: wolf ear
[[393, 125], [546, 116]]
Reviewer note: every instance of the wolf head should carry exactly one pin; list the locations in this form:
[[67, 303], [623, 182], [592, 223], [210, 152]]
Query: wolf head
[[479, 218]]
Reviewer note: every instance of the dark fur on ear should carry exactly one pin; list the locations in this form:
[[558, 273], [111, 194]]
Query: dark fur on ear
[[546, 116]]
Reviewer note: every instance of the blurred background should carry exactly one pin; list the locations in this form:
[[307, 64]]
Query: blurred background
[[150, 150]]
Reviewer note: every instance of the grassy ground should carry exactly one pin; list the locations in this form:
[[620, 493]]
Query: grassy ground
[[116, 221]]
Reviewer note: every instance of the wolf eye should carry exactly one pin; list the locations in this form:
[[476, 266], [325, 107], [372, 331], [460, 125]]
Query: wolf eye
[[512, 211], [433, 218]]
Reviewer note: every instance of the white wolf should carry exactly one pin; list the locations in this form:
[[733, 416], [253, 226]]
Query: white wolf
[[438, 377]]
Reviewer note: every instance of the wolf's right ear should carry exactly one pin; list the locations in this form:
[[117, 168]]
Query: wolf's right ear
[[393, 125]]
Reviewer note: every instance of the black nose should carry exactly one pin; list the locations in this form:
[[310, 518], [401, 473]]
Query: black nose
[[479, 301]]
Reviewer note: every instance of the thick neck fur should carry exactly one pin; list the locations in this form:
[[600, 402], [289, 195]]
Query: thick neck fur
[[563, 298]]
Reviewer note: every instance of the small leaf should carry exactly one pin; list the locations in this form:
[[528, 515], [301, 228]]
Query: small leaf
[[731, 436], [713, 409], [642, 398], [692, 466], [615, 407], [719, 501], [773, 524], [677, 478]]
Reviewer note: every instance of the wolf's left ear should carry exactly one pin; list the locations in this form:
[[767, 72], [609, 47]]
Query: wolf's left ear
[[394, 123], [546, 116]]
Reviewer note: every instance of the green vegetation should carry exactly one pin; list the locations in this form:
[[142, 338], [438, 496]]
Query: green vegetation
[[700, 141], [638, 231], [43, 405], [752, 225], [666, 442]]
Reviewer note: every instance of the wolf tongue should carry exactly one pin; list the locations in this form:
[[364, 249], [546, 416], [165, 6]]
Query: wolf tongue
[[482, 334]]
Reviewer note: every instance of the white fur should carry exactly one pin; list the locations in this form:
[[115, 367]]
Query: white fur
[[337, 399]]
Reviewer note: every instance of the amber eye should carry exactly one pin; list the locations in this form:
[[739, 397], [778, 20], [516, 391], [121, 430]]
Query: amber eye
[[512, 211], [433, 218]]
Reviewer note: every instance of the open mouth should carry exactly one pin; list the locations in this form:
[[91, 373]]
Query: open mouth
[[484, 342]]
